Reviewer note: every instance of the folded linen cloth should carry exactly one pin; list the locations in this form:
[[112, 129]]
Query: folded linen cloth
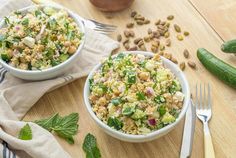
[[16, 96]]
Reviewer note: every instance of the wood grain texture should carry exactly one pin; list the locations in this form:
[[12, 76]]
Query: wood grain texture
[[69, 98], [220, 15]]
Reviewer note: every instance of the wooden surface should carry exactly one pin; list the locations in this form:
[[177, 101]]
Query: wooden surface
[[69, 98], [220, 15]]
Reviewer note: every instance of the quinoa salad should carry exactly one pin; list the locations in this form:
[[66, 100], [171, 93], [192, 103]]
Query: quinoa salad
[[38, 39], [135, 94]]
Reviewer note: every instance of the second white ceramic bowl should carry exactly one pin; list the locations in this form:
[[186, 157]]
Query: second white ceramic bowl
[[155, 134], [53, 71]]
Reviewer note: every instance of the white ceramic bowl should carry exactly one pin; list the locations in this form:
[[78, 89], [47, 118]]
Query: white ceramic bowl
[[155, 134], [53, 71]]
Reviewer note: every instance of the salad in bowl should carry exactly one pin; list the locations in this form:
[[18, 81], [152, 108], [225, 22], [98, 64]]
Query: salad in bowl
[[39, 38], [136, 96]]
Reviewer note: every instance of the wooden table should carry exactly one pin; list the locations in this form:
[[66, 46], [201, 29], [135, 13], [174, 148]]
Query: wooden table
[[209, 22]]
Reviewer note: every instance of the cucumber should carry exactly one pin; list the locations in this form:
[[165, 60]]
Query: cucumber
[[229, 46], [219, 68]]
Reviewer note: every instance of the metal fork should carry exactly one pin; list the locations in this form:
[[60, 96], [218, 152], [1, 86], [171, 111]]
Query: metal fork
[[97, 26], [89, 23], [203, 111]]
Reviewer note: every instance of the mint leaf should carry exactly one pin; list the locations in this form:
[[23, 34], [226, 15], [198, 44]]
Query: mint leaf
[[48, 123], [90, 147], [65, 127], [25, 133]]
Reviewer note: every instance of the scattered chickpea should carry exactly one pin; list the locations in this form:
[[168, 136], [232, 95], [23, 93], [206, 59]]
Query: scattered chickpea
[[102, 101], [67, 43], [72, 50], [144, 76]]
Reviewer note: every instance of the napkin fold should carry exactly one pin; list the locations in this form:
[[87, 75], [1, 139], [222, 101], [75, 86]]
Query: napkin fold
[[17, 96]]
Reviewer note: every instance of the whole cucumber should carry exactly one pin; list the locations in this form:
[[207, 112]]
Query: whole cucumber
[[219, 68], [229, 46]]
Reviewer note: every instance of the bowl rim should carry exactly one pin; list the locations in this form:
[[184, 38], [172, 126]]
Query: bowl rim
[[61, 65], [142, 136]]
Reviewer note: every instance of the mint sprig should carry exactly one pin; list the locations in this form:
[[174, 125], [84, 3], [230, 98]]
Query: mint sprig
[[65, 127]]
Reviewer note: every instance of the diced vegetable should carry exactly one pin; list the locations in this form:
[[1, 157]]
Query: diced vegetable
[[128, 109], [168, 118], [64, 57], [138, 114], [116, 101]]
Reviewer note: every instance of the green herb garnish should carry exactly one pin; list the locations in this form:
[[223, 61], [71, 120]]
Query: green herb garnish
[[37, 13], [114, 122], [17, 12], [174, 112], [159, 99], [65, 127], [162, 110], [25, 133], [140, 96], [104, 88], [131, 77], [71, 35], [5, 57], [52, 23], [90, 147], [25, 22], [120, 56], [6, 20]]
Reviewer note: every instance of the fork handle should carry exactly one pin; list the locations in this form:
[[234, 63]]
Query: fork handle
[[208, 146]]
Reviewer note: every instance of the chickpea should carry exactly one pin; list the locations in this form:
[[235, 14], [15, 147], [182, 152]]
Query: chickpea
[[156, 57], [15, 61], [67, 43], [21, 45], [72, 50], [108, 96], [102, 110], [22, 59], [140, 86], [40, 48], [33, 61], [26, 50], [133, 88], [149, 110], [116, 92], [93, 98], [60, 38], [23, 66], [28, 58], [21, 33], [102, 101], [144, 76], [10, 52]]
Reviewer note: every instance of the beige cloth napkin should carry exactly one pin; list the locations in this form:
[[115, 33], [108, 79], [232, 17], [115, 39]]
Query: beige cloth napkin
[[18, 96]]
